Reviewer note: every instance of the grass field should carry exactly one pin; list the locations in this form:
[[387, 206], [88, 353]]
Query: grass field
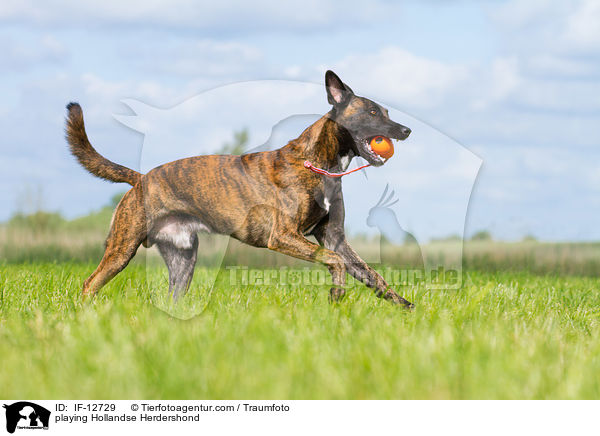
[[504, 335]]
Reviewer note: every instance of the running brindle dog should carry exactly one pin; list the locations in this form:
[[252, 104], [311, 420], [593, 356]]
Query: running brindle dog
[[267, 199]]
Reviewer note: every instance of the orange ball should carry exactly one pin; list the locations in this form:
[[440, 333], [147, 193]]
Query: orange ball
[[382, 146]]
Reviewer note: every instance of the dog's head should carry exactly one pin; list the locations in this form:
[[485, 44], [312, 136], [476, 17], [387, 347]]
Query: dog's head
[[362, 118]]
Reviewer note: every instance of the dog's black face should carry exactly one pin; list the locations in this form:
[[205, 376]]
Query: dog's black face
[[362, 118]]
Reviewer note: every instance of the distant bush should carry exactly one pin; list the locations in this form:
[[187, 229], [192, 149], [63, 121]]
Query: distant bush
[[449, 238], [49, 237], [37, 222], [482, 235], [96, 221], [238, 145], [529, 238]]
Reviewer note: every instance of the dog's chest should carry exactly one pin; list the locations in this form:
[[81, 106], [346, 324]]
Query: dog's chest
[[329, 196], [323, 203]]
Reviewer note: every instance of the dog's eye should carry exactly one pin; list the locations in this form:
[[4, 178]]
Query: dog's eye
[[373, 112]]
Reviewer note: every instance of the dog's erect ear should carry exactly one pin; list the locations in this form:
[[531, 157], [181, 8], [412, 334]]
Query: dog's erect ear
[[338, 93]]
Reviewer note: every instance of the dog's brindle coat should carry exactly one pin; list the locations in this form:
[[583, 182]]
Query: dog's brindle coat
[[266, 199]]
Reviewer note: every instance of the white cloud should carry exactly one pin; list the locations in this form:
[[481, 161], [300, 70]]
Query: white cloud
[[20, 55], [428, 87], [561, 67], [394, 74], [191, 57], [566, 27], [528, 14], [494, 83], [583, 26], [505, 77]]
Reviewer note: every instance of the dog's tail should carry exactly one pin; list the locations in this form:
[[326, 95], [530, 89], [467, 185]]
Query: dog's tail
[[88, 157]]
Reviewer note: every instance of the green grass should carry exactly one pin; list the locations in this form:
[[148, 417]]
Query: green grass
[[511, 335]]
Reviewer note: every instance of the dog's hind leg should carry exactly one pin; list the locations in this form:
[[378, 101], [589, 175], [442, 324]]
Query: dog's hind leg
[[181, 263], [128, 230]]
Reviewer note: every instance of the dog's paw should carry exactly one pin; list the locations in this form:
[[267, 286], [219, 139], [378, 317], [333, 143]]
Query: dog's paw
[[336, 295], [397, 299]]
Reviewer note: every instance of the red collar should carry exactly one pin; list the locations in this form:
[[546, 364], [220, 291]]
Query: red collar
[[323, 172]]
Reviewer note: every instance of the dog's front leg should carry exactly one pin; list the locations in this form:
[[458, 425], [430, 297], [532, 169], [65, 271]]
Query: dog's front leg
[[332, 237], [361, 270], [296, 245]]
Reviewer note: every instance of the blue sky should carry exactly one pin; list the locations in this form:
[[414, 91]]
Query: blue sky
[[515, 82]]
